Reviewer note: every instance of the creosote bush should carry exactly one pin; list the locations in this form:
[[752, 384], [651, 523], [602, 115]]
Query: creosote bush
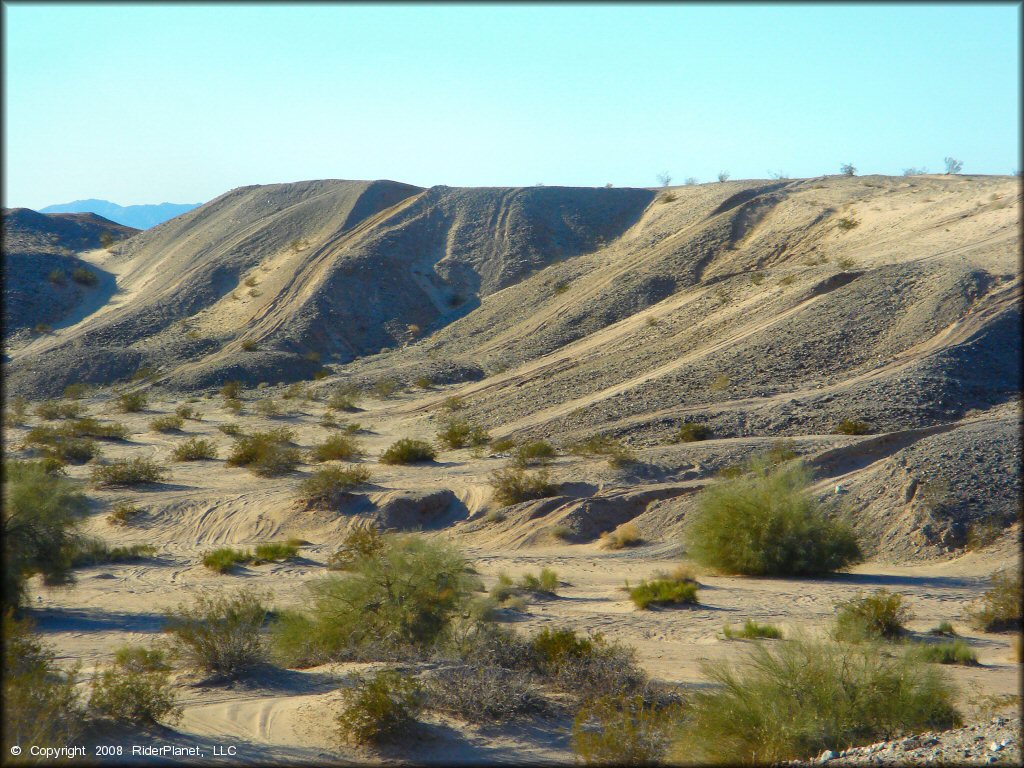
[[266, 453], [613, 450], [231, 429], [792, 700], [881, 615], [195, 449], [766, 523], [344, 398], [135, 689], [60, 445], [459, 433], [219, 633], [55, 409], [335, 447], [385, 388], [326, 485], [90, 427], [623, 730], [379, 708], [999, 609], [231, 390], [132, 402], [188, 412], [407, 451], [537, 452], [691, 432], [513, 485], [167, 423], [137, 471], [84, 276], [852, 427]]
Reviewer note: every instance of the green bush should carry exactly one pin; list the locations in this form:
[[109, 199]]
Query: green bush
[[358, 543], [84, 276], [55, 409], [224, 559], [41, 513], [459, 433], [335, 447], [623, 730], [752, 631], [326, 485], [41, 704], [766, 523], [878, 616], [787, 701], [135, 689], [234, 405], [60, 445], [407, 451], [278, 550], [943, 628], [848, 427], [380, 708], [195, 449], [953, 652], [188, 412], [400, 598], [218, 633], [999, 608], [512, 485], [663, 592], [90, 427], [537, 452], [132, 402], [691, 432], [169, 423], [265, 453], [128, 472]]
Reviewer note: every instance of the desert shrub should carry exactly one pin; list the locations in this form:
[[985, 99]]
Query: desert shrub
[[56, 409], [188, 412], [231, 390], [943, 628], [233, 430], [458, 433], [41, 511], [344, 398], [626, 535], [424, 382], [325, 485], [123, 513], [169, 423], [358, 543], [851, 427], [328, 420], [57, 277], [234, 405], [847, 223], [663, 592], [401, 597], [93, 551], [601, 445], [752, 630], [953, 165], [538, 452], [454, 403], [90, 427], [134, 689], [788, 700], [780, 452], [17, 411], [385, 388], [223, 559], [623, 730], [502, 445], [952, 652], [278, 550], [268, 407], [265, 453], [195, 449], [691, 432], [41, 704], [562, 532], [767, 523], [218, 633], [335, 447], [999, 608], [84, 276], [248, 345], [847, 169], [380, 708], [131, 402], [482, 693], [407, 451], [512, 485], [544, 583], [60, 445], [981, 533], [880, 615], [128, 472], [586, 667]]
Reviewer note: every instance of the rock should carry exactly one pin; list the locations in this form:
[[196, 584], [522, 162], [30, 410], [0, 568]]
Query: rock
[[825, 756]]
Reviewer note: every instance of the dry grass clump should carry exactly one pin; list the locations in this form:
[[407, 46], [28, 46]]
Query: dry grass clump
[[132, 402], [512, 485], [325, 485], [92, 551], [380, 708], [623, 730], [407, 451], [951, 652], [751, 630], [219, 633], [528, 454], [881, 615], [786, 701], [545, 583], [454, 403], [586, 667], [277, 551], [999, 609], [224, 559], [135, 689], [123, 513], [195, 449], [480, 693], [137, 471], [663, 591], [335, 447], [266, 453], [626, 535], [169, 423], [852, 427], [459, 433], [766, 523]]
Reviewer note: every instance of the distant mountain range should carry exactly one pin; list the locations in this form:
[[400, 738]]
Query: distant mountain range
[[138, 216]]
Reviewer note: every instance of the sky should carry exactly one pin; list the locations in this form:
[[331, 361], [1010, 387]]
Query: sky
[[179, 103]]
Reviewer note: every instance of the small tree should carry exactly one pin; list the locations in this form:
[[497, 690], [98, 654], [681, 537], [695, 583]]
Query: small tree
[[723, 176], [847, 169], [664, 179], [952, 165]]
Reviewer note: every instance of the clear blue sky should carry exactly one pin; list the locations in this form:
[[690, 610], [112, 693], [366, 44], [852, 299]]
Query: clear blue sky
[[179, 103]]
